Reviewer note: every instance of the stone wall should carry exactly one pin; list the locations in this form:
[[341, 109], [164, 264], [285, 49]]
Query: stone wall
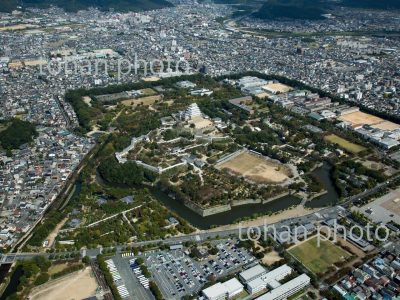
[[204, 212]]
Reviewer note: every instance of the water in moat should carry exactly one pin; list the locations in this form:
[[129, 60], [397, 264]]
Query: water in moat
[[331, 197], [248, 210], [227, 217], [14, 280], [239, 212]]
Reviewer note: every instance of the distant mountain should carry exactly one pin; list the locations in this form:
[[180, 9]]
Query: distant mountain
[[313, 10], [373, 4], [75, 5], [291, 9]]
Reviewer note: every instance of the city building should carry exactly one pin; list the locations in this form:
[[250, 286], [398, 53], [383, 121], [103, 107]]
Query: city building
[[252, 273], [270, 279], [288, 289], [226, 290]]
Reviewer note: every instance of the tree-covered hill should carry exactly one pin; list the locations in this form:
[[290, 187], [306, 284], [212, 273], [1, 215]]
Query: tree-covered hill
[[373, 4], [291, 9], [16, 134], [313, 10], [75, 5]]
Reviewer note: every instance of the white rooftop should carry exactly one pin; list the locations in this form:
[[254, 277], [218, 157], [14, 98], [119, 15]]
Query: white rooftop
[[214, 291], [277, 293], [233, 285], [192, 111], [271, 277], [230, 287], [253, 272]]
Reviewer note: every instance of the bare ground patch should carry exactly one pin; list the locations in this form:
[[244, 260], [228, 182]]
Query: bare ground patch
[[392, 205], [257, 168], [78, 285]]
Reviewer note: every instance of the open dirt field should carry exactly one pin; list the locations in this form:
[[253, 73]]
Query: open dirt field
[[151, 79], [52, 236], [263, 95], [34, 62], [256, 168], [277, 88], [150, 100], [271, 258], [377, 166], [200, 122], [318, 259], [360, 118], [78, 285], [345, 144], [386, 125], [87, 100], [295, 212], [393, 206]]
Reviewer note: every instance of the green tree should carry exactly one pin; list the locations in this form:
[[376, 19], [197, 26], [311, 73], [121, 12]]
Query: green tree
[[42, 278]]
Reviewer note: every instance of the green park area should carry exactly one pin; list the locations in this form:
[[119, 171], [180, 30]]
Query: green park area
[[345, 144], [318, 258]]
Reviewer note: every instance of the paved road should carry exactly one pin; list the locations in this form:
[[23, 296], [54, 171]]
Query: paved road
[[198, 237]]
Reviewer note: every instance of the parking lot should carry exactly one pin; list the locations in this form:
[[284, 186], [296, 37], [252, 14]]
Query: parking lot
[[176, 274], [132, 283]]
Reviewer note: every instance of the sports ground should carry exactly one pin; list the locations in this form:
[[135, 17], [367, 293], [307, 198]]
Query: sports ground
[[318, 259], [345, 144], [360, 118]]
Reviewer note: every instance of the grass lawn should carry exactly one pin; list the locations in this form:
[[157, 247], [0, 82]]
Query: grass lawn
[[345, 144], [56, 268], [318, 259], [297, 295], [149, 100], [148, 92]]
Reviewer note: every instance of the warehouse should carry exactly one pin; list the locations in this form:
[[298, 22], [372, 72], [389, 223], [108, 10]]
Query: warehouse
[[288, 289]]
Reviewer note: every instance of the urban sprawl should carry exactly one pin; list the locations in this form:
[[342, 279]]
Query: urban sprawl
[[143, 181]]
